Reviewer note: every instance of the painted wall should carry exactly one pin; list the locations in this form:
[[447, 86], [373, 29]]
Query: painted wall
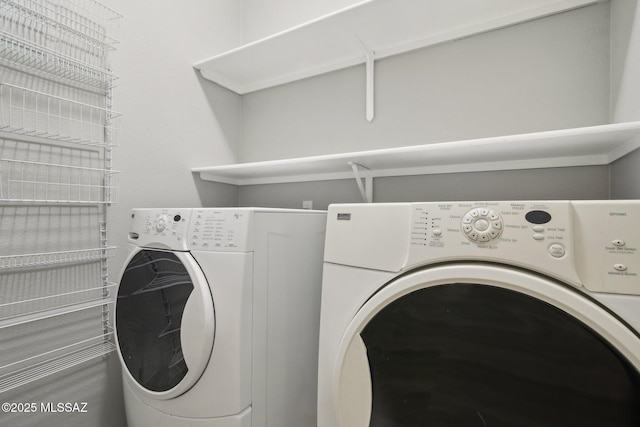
[[262, 18], [625, 89], [547, 74], [172, 119]]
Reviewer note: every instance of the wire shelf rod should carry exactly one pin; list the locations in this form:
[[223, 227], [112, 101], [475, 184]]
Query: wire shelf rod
[[48, 314], [35, 58], [92, 9], [43, 370], [28, 112], [46, 259], [39, 182], [48, 297], [30, 361], [93, 35]]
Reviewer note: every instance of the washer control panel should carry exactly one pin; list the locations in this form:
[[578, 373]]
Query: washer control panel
[[482, 225], [160, 228], [595, 244], [224, 229]]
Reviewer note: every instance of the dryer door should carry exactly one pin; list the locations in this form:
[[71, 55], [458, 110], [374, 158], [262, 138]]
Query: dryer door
[[164, 322], [477, 345]]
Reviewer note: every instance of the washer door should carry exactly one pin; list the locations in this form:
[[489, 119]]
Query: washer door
[[479, 345], [164, 322]]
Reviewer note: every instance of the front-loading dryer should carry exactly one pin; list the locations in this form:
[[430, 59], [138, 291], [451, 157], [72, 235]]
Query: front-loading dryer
[[481, 314], [217, 317]]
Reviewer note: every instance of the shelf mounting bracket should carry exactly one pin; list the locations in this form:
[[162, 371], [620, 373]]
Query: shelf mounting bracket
[[364, 179], [369, 67]]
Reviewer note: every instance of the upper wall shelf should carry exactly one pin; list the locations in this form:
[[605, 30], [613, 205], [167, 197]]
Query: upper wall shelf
[[595, 145], [371, 29]]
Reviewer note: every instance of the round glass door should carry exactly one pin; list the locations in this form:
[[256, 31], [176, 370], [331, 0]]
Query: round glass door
[[476, 354], [163, 299]]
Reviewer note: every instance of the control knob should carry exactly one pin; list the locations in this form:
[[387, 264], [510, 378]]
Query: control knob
[[481, 225], [161, 223]]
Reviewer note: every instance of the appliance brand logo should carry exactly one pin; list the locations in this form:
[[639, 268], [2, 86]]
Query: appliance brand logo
[[344, 217]]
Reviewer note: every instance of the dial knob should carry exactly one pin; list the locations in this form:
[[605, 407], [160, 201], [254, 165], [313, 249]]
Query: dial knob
[[482, 225], [161, 223]]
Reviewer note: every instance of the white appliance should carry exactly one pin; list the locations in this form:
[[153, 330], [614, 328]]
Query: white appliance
[[217, 317], [481, 314]]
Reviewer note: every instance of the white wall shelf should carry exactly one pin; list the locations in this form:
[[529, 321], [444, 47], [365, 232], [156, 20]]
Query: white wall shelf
[[595, 145], [371, 29]]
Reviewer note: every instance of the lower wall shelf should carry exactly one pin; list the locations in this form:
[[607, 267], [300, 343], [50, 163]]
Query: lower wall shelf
[[594, 145]]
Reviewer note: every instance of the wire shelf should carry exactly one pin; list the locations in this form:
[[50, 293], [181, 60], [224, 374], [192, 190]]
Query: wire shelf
[[89, 9], [53, 312], [35, 182], [47, 259], [33, 58], [31, 113], [62, 25], [64, 42], [52, 366], [19, 312]]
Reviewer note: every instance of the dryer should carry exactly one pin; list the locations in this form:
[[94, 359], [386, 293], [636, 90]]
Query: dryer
[[481, 314], [217, 317]]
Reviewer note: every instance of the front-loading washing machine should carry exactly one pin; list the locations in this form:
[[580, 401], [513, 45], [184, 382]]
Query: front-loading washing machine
[[481, 314], [217, 317]]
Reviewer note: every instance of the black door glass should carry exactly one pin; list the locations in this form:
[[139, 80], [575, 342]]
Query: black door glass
[[153, 292], [475, 355]]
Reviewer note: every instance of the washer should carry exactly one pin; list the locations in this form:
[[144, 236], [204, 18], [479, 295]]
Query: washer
[[217, 317], [481, 314]]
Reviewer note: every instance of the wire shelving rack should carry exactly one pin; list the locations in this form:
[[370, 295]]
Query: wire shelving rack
[[68, 44]]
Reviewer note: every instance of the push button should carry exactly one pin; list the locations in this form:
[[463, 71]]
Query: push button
[[556, 250], [618, 243], [620, 267], [482, 225]]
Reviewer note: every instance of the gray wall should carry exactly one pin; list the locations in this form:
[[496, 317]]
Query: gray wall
[[173, 120], [547, 74], [625, 89], [551, 73], [590, 182]]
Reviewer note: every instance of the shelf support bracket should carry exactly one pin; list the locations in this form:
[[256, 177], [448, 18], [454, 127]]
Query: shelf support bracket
[[370, 65], [364, 181]]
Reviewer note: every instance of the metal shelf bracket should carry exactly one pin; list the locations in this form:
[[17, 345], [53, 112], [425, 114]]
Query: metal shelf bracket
[[369, 67], [364, 179]]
